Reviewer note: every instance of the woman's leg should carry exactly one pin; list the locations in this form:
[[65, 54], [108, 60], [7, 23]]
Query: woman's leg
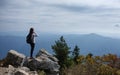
[[32, 49]]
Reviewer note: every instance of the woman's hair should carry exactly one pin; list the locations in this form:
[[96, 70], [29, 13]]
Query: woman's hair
[[31, 30]]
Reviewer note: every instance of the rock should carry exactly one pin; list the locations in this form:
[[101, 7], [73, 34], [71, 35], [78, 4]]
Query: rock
[[44, 61], [44, 53], [11, 70], [4, 71], [21, 72], [33, 73], [16, 71], [36, 64], [24, 71], [22, 65], [14, 58]]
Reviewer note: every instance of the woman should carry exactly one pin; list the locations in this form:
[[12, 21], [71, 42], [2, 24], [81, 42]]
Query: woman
[[31, 40]]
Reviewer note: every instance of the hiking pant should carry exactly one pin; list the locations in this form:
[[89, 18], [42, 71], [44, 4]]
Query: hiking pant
[[32, 49]]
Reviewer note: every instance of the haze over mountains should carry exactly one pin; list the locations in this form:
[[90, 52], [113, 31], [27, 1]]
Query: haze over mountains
[[88, 43]]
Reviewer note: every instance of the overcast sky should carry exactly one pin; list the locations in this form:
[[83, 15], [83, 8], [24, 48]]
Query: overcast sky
[[61, 16]]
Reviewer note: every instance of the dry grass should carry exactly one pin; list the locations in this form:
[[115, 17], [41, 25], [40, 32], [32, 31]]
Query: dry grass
[[83, 69], [75, 70]]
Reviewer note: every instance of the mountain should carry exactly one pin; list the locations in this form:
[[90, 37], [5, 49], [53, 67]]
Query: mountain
[[95, 44], [88, 43]]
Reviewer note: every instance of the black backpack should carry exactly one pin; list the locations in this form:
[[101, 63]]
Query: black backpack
[[28, 39]]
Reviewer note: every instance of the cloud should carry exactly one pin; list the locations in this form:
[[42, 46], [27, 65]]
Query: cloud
[[66, 16], [72, 8], [117, 25], [88, 3]]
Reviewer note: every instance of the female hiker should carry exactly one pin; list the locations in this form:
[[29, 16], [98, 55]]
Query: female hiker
[[30, 39]]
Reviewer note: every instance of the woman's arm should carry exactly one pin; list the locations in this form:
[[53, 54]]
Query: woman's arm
[[35, 34]]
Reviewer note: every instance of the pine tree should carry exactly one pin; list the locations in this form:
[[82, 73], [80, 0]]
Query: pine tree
[[75, 53], [61, 51]]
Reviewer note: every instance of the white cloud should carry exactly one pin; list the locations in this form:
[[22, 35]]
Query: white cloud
[[89, 3], [64, 16], [97, 3]]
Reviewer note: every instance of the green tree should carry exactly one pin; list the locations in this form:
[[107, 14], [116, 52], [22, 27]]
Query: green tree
[[75, 54], [61, 51]]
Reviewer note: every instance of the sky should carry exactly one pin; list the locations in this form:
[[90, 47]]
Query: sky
[[61, 16]]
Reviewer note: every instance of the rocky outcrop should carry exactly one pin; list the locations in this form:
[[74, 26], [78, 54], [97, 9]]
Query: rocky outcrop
[[24, 65], [44, 61], [14, 58], [16, 71]]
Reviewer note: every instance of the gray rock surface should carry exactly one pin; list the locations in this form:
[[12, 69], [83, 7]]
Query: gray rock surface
[[16, 71], [44, 61], [4, 71], [22, 65], [43, 53], [14, 58]]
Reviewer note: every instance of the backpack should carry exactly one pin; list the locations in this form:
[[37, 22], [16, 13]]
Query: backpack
[[28, 39]]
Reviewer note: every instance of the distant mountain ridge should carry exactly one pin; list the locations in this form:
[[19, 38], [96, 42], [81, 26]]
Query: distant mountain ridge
[[88, 43], [96, 44]]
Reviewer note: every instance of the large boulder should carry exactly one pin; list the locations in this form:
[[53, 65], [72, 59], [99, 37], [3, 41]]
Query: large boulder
[[44, 61], [14, 58], [44, 54]]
